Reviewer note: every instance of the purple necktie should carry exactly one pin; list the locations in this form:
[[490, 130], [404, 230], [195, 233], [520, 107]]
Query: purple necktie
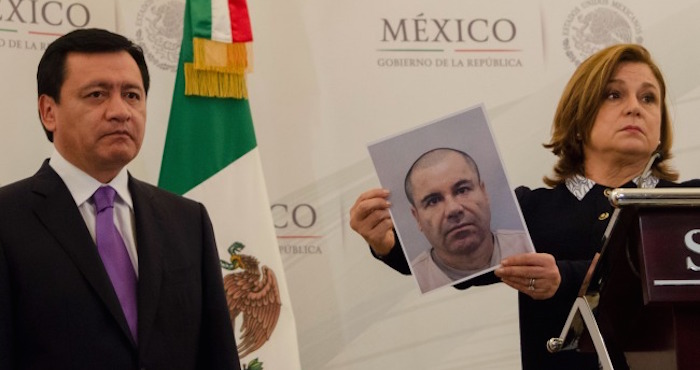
[[114, 255]]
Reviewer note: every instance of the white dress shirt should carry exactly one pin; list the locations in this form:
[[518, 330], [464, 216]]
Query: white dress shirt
[[82, 186]]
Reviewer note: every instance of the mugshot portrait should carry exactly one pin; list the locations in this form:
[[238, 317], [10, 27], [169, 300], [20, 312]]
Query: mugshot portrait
[[454, 211]]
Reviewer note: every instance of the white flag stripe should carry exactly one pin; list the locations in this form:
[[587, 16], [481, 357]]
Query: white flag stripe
[[220, 21], [233, 198]]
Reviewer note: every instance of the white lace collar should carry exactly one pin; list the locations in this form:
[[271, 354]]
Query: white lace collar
[[579, 185]]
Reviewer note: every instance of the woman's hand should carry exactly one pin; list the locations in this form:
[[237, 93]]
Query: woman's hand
[[370, 218], [535, 274]]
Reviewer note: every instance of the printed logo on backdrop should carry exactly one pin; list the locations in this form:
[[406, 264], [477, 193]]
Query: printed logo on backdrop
[[449, 42], [159, 32], [296, 226], [596, 24], [29, 26]]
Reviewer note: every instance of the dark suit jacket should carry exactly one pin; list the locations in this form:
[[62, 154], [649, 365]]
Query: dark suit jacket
[[58, 309]]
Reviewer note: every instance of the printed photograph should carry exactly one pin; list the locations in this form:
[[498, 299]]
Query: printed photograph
[[455, 213]]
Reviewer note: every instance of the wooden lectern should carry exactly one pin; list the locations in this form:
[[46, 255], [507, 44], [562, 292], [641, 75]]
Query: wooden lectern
[[640, 303]]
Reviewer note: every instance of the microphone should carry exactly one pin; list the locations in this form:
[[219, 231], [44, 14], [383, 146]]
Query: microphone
[[656, 156]]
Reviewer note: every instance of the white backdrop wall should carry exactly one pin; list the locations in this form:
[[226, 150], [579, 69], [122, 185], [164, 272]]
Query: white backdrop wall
[[331, 76]]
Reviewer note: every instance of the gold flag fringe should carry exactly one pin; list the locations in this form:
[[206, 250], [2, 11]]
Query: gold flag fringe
[[250, 56], [218, 69], [218, 56], [214, 84]]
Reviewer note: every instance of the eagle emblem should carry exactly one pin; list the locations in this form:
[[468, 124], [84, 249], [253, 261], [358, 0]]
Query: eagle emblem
[[251, 291]]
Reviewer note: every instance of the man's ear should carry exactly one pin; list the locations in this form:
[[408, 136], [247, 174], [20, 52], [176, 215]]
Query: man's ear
[[483, 188], [47, 112], [414, 212]]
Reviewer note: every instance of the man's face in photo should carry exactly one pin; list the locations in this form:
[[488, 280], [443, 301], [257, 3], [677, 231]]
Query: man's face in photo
[[451, 205]]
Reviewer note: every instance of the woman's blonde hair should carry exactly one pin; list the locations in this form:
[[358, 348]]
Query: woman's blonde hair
[[579, 105]]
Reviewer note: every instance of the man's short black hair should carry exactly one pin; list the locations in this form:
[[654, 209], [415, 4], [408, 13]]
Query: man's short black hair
[[408, 185], [51, 72]]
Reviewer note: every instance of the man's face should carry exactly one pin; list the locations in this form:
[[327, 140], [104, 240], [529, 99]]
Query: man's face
[[100, 121], [451, 205]]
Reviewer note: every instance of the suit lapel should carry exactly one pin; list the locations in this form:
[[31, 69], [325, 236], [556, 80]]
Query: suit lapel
[[56, 209], [149, 243]]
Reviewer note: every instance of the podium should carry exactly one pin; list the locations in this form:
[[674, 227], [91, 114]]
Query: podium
[[640, 302]]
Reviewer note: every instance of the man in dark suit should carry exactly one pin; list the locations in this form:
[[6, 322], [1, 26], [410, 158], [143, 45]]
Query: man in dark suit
[[63, 303]]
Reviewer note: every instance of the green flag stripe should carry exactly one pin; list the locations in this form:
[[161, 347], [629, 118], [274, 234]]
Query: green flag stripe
[[200, 18], [204, 134]]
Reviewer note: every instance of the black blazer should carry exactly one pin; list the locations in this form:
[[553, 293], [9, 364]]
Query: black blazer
[[58, 309]]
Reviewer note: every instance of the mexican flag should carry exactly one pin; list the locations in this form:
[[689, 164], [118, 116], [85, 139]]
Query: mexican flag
[[211, 156]]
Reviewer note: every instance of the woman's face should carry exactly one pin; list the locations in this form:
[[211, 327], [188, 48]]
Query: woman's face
[[628, 124]]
